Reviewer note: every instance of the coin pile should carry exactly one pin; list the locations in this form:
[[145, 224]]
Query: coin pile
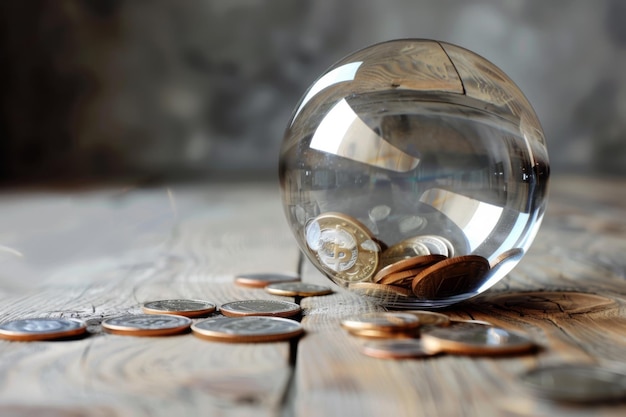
[[414, 333], [424, 267]]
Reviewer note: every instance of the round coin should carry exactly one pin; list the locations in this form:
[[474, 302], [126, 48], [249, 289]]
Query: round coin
[[275, 308], [406, 249], [380, 291], [41, 329], [298, 289], [147, 324], [416, 262], [396, 349], [384, 321], [451, 277], [180, 307], [475, 339], [578, 383], [247, 329], [260, 280], [436, 245], [430, 318], [343, 247]]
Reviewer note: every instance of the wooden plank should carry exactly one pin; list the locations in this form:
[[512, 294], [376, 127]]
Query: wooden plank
[[567, 293], [156, 243]]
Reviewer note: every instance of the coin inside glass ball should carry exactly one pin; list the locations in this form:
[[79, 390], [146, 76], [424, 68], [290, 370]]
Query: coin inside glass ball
[[412, 148]]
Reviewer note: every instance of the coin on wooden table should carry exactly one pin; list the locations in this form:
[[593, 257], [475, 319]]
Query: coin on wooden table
[[450, 277], [298, 289], [576, 383], [475, 339], [380, 291], [384, 321], [396, 349], [343, 247], [275, 308], [260, 280], [430, 318], [180, 307], [43, 328], [247, 329], [147, 324], [413, 263]]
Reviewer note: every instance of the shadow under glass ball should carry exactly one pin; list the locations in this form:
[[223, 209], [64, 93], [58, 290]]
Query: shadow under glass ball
[[410, 148]]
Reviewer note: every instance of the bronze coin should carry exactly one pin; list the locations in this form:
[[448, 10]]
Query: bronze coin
[[179, 307], [260, 280], [42, 328], [451, 277], [247, 329], [274, 308], [147, 324], [298, 289], [415, 262], [430, 318]]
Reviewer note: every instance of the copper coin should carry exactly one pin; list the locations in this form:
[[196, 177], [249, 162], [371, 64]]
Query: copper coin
[[260, 280], [430, 318], [147, 324], [383, 334], [247, 329], [44, 328], [298, 289], [384, 321], [451, 277], [342, 247], [380, 291], [396, 349], [180, 307], [475, 339], [274, 308], [416, 263]]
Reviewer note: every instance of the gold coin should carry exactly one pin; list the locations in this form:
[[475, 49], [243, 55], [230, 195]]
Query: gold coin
[[396, 349], [179, 307], [475, 339], [430, 318], [42, 328], [383, 321], [343, 247], [451, 277], [260, 280], [274, 308], [298, 289], [415, 262], [147, 324], [383, 293], [247, 329]]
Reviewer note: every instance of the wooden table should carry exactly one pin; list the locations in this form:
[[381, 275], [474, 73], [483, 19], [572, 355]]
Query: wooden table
[[94, 253]]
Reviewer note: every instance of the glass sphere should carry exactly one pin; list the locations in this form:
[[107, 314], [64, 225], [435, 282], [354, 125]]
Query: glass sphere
[[414, 172]]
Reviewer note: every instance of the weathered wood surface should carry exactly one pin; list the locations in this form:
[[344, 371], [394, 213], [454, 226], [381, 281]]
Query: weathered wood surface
[[96, 254]]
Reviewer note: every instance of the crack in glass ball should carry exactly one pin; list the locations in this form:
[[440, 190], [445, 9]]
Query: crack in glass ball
[[409, 148]]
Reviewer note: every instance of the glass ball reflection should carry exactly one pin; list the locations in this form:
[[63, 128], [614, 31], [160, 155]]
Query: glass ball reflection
[[408, 149]]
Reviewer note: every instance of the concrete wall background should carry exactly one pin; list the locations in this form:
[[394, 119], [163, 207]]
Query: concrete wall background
[[190, 88]]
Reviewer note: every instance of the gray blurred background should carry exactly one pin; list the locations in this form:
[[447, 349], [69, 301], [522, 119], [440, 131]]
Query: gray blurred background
[[169, 89]]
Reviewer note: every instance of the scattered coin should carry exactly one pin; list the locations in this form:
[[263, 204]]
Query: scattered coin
[[147, 324], [247, 329], [453, 276], [260, 280], [180, 307], [275, 308], [343, 247], [383, 321], [416, 262], [430, 318], [298, 289], [576, 383], [396, 349], [41, 329], [475, 339]]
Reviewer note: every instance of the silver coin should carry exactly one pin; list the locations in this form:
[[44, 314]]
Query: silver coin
[[147, 324], [182, 307], [247, 329], [435, 244], [41, 329], [274, 308], [301, 289], [577, 383], [396, 349], [411, 224], [379, 213]]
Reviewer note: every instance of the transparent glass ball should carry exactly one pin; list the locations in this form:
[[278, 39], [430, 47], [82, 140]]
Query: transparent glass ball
[[414, 172]]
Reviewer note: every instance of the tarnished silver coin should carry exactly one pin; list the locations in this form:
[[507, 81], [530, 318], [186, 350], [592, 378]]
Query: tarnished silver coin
[[247, 329], [475, 339], [180, 307], [147, 324], [396, 349], [298, 289], [275, 308], [43, 328], [576, 383]]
